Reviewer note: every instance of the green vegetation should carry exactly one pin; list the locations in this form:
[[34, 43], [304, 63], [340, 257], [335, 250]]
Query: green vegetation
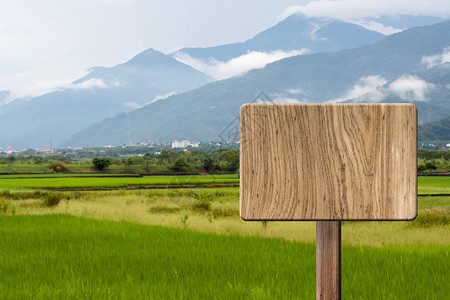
[[60, 257], [165, 161], [101, 163], [78, 182], [434, 184], [433, 160], [52, 248], [217, 210]]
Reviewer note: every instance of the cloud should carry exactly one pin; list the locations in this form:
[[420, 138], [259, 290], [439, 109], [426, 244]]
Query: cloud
[[375, 26], [366, 86], [437, 59], [89, 84], [294, 91], [236, 66], [357, 9], [133, 105], [411, 88], [284, 99], [161, 97]]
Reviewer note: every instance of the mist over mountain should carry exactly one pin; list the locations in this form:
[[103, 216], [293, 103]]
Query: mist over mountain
[[295, 33], [409, 66], [152, 76], [104, 92]]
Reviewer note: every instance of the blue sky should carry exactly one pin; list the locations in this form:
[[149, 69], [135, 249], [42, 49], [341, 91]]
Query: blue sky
[[46, 44]]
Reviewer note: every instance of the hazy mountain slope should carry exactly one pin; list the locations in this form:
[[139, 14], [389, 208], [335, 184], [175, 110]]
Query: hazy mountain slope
[[104, 92], [201, 114], [435, 131]]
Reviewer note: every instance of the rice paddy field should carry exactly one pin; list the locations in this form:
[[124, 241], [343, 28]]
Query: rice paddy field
[[191, 244], [66, 181]]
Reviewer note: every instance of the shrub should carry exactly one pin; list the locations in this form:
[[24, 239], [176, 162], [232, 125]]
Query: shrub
[[51, 199], [58, 167], [432, 218], [164, 210], [201, 206], [4, 207], [224, 213]]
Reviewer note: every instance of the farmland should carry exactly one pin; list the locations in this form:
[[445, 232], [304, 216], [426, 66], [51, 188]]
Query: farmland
[[191, 243], [63, 181]]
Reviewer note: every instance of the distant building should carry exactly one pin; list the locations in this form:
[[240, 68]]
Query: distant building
[[184, 144], [45, 151], [9, 150]]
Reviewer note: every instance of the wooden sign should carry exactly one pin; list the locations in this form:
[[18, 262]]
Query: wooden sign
[[328, 162]]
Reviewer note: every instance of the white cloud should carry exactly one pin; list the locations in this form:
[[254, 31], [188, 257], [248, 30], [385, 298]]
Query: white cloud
[[437, 59], [375, 26], [411, 88], [366, 86], [133, 105], [161, 97], [117, 82], [284, 99], [236, 66], [294, 91], [90, 84], [357, 9]]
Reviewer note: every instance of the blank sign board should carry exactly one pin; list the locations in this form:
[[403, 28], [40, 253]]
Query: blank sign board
[[328, 161]]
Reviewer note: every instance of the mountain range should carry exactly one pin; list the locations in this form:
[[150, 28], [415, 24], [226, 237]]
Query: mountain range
[[293, 33], [161, 97], [103, 92], [410, 66]]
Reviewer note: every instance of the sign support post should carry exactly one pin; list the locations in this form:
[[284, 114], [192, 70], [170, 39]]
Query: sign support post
[[328, 260]]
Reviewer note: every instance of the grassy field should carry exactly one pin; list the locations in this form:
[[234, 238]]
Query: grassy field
[[434, 184], [191, 243], [15, 182], [65, 257], [426, 184], [217, 210]]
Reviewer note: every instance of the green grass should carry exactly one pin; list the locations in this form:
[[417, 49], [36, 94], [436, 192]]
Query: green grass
[[434, 202], [62, 182], [65, 175], [434, 184], [427, 184], [65, 257]]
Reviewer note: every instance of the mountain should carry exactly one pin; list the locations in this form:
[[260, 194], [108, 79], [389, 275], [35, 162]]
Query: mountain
[[202, 114], [435, 131], [103, 92], [296, 32]]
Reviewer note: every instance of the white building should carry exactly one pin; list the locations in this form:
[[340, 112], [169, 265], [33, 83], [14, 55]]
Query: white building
[[183, 144]]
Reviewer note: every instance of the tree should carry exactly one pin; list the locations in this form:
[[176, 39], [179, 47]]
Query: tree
[[101, 163], [430, 166], [421, 167], [180, 164]]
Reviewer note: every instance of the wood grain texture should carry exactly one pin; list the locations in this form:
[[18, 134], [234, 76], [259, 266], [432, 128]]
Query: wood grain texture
[[328, 260], [328, 161]]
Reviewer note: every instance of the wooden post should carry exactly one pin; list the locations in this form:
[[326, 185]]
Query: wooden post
[[328, 260]]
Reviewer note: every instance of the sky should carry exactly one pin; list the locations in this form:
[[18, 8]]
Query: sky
[[47, 44]]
